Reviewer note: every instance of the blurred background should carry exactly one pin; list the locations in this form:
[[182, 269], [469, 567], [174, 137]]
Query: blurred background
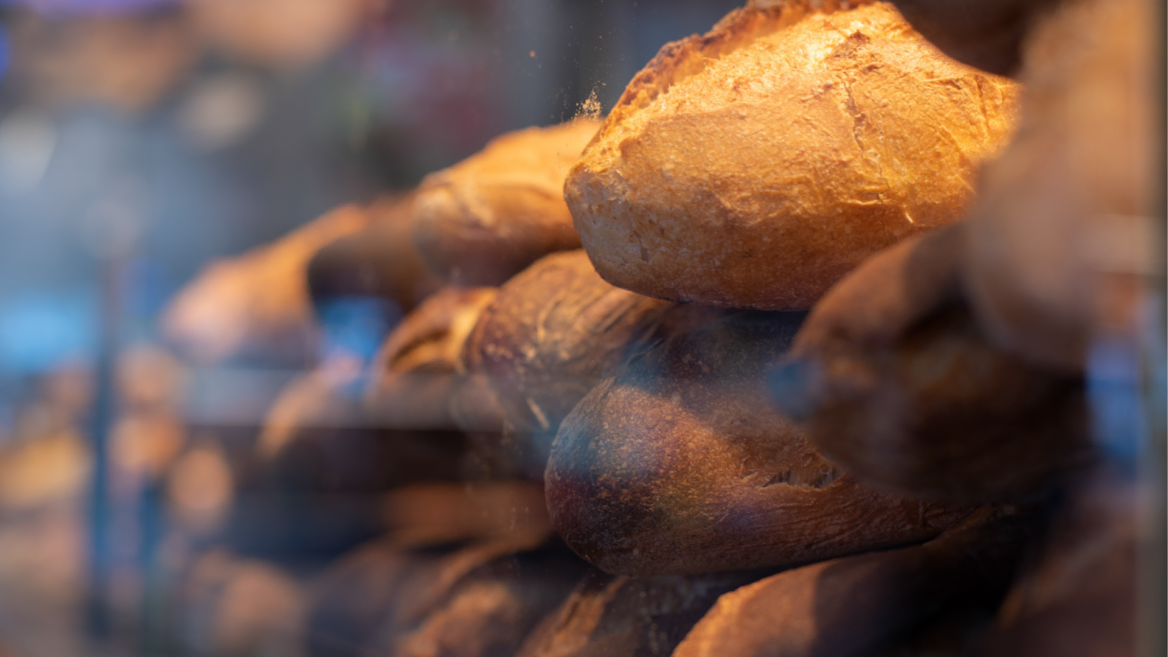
[[141, 140]]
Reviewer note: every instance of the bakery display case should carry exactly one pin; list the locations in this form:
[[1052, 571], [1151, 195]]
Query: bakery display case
[[580, 328]]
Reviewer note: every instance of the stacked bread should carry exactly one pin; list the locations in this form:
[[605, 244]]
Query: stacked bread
[[780, 401]]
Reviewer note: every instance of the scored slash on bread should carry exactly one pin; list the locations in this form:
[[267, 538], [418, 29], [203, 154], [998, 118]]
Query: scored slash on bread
[[414, 374], [551, 334]]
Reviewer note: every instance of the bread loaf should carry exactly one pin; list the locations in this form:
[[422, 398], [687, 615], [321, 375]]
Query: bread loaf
[[336, 436], [677, 465], [491, 611], [237, 607], [627, 616], [551, 334], [893, 379], [475, 600], [322, 462], [414, 374], [432, 337], [554, 332], [859, 605], [256, 306], [1062, 241], [320, 436], [489, 216], [382, 584], [378, 263], [447, 513], [754, 166]]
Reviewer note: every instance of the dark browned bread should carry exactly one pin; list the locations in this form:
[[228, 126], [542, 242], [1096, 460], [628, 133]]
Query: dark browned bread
[[859, 605], [1063, 242], [893, 379], [618, 616], [679, 464], [987, 34]]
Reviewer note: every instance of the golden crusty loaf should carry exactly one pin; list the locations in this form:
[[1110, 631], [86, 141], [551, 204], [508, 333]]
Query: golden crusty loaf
[[678, 465], [489, 216], [551, 334], [755, 165]]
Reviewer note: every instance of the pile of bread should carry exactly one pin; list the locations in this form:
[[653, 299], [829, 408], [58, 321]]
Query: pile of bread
[[789, 350]]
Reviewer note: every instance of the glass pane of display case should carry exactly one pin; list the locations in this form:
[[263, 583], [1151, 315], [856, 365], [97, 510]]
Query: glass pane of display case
[[582, 328]]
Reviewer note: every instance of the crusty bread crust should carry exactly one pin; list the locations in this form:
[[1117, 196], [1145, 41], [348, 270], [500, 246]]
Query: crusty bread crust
[[489, 216], [555, 330], [678, 465], [755, 165]]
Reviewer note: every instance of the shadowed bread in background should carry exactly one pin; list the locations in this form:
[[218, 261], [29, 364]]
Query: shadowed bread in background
[[678, 465]]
